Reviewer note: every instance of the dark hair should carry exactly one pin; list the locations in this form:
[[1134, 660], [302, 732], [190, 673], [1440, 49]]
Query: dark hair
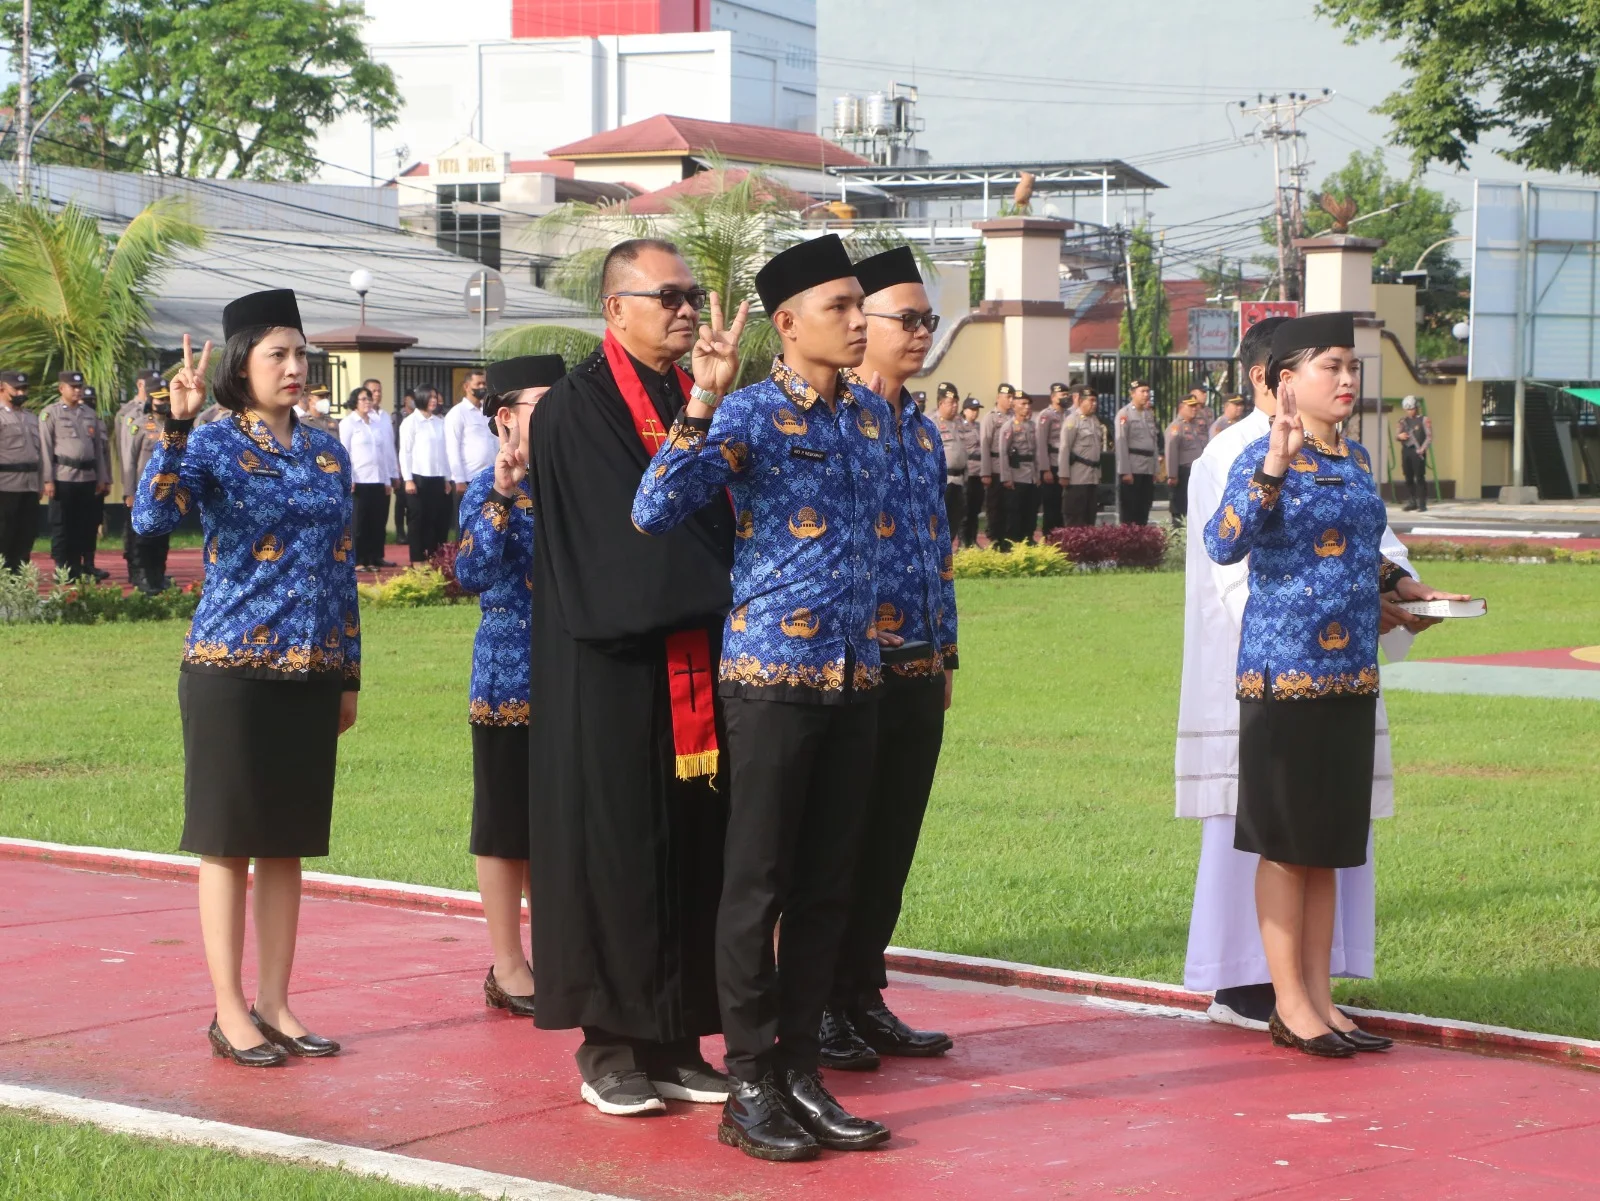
[[355, 395], [1276, 367], [372, 380], [1255, 348], [626, 253], [230, 388]]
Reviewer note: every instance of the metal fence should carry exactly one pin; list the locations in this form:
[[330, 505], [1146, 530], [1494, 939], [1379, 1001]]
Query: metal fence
[[1110, 373], [434, 373]]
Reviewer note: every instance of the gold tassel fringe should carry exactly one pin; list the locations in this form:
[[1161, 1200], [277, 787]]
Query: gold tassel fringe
[[692, 767]]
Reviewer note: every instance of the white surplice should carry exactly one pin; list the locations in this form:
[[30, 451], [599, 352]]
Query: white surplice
[[1224, 940]]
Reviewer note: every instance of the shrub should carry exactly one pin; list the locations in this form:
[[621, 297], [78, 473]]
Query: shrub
[[86, 602], [414, 588], [1426, 550], [1020, 561], [1119, 545], [21, 601]]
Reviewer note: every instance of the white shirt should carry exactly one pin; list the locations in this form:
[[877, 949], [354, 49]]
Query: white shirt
[[422, 450], [470, 441], [1207, 759], [370, 444]]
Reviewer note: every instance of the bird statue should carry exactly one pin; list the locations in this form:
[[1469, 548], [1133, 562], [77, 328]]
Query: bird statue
[[1341, 210], [1024, 193]]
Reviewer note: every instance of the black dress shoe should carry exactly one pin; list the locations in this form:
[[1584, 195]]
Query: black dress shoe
[[1328, 1046], [888, 1035], [842, 1047], [756, 1119], [499, 998], [824, 1118], [263, 1055], [1362, 1041], [307, 1046]]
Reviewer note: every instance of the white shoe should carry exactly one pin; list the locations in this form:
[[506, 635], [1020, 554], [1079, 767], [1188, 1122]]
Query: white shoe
[[1225, 1016]]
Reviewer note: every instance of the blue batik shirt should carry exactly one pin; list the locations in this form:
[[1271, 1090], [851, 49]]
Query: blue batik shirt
[[494, 559], [916, 581], [1311, 623], [279, 600], [807, 485]]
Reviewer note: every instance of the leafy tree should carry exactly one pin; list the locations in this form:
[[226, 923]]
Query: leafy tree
[[233, 88], [1523, 68], [72, 297], [1143, 328], [977, 279]]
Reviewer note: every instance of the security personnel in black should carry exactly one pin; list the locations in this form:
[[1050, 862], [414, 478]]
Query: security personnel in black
[[139, 426], [21, 476], [77, 474]]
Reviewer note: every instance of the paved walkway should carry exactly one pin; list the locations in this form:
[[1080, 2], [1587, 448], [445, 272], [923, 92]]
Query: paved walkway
[[1045, 1095]]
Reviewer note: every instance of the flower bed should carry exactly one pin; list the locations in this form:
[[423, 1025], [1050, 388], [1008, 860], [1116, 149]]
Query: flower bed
[[1020, 562], [87, 602], [1438, 550], [1142, 546]]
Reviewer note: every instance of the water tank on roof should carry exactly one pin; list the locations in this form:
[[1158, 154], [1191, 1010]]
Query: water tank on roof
[[846, 114], [878, 111]]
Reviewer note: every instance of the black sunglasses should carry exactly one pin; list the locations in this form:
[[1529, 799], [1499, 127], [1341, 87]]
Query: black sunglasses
[[909, 321], [672, 299]]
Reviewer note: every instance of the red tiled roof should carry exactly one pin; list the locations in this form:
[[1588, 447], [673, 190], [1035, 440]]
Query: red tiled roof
[[707, 183], [667, 135]]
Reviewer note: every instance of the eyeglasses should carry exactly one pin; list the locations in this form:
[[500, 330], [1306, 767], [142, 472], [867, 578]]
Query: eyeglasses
[[672, 299], [910, 320]]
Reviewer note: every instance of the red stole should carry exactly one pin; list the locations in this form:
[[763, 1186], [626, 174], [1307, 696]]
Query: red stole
[[694, 730]]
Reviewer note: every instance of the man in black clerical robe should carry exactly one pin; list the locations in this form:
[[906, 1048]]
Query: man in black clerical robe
[[626, 861]]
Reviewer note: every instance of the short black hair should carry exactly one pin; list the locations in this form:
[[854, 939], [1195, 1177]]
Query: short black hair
[[230, 389], [372, 380], [1255, 348], [625, 254], [355, 395]]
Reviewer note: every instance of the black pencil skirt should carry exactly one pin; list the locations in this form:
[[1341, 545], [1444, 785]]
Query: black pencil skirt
[[258, 763], [1305, 780], [500, 791]]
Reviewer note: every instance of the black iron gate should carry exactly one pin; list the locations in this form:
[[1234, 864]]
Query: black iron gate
[[1110, 373], [434, 373]]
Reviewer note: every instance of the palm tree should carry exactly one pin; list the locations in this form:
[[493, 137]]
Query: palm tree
[[74, 297], [725, 234]]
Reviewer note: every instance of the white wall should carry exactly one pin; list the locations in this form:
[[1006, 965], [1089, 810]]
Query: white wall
[[775, 81]]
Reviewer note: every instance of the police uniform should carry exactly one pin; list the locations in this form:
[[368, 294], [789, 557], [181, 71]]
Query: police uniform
[[314, 416], [1019, 468], [997, 503], [21, 475], [77, 460], [955, 468], [1083, 443], [1186, 441], [1138, 439], [1413, 440], [1222, 423], [139, 428], [1049, 422], [972, 439]]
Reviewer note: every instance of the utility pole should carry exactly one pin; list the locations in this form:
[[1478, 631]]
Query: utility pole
[[24, 98], [1277, 121]]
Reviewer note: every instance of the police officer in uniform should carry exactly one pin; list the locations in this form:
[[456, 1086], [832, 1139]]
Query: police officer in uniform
[[77, 473], [139, 426], [1414, 435], [1138, 439], [972, 439], [955, 458], [1232, 410], [1019, 469], [1049, 422], [21, 459], [313, 410], [1083, 443], [1186, 440], [997, 508]]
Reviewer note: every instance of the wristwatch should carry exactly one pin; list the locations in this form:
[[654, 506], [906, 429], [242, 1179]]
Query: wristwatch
[[700, 396]]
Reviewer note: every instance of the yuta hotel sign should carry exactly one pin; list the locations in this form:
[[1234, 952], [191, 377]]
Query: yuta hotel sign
[[469, 161]]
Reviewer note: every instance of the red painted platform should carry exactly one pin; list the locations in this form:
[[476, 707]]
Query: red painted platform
[[104, 994], [1567, 658]]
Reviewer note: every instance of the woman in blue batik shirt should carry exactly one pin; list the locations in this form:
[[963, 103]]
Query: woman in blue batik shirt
[[494, 559], [1301, 503], [272, 662]]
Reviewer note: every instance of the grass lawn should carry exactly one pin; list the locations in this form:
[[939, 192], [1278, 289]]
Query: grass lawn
[[44, 1158], [1050, 838]]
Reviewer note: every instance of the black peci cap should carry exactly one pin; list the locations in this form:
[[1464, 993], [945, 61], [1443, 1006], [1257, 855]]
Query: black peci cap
[[524, 371], [1315, 332], [804, 265], [274, 308], [897, 266]]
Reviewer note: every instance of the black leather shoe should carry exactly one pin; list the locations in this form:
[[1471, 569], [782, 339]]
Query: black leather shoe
[[824, 1118], [307, 1046], [1328, 1046], [499, 998], [263, 1055], [888, 1035], [1362, 1041], [756, 1119], [842, 1047]]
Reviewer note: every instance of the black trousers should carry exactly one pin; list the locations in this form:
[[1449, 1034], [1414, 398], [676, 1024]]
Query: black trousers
[[955, 506], [1080, 503], [969, 522], [371, 504], [1178, 505], [1024, 511], [19, 526], [910, 732], [997, 514], [1416, 469], [1133, 500], [1050, 504], [74, 526], [430, 516], [799, 783], [602, 1052], [400, 507]]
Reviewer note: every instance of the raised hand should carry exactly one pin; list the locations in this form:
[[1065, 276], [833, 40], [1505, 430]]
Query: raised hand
[[510, 465], [716, 351], [187, 385], [1286, 437]]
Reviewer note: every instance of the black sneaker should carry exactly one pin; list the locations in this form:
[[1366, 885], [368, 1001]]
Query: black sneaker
[[698, 1082], [842, 1048], [1247, 1006], [756, 1119], [623, 1094]]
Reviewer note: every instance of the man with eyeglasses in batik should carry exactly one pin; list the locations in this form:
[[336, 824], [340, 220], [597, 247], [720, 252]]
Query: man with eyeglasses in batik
[[627, 811]]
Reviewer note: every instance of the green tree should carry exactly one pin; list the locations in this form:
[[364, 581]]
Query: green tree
[[232, 88], [1143, 328], [73, 297], [1521, 68]]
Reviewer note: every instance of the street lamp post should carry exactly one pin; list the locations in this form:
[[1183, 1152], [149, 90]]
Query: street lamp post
[[361, 281], [26, 135]]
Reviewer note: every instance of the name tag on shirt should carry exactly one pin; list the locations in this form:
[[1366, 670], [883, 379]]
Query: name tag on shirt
[[808, 453], [1335, 481]]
